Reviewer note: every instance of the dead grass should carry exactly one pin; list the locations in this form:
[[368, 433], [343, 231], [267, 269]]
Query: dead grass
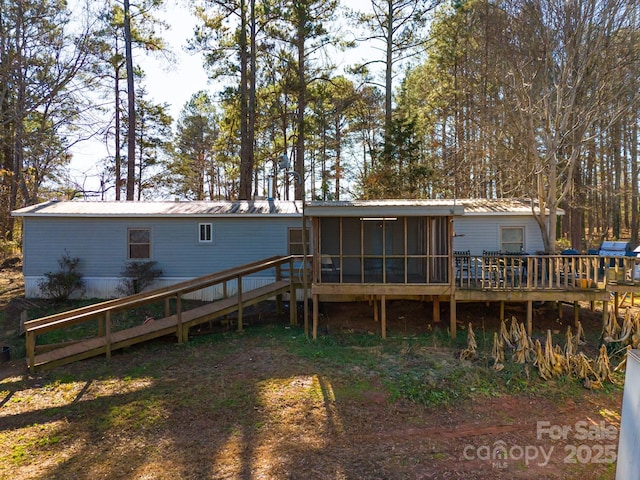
[[269, 404]]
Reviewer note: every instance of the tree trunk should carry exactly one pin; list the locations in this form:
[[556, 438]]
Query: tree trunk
[[131, 99], [245, 157], [302, 104], [117, 156]]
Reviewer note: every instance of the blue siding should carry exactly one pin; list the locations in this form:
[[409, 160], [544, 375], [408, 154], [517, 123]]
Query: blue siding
[[477, 233], [101, 244]]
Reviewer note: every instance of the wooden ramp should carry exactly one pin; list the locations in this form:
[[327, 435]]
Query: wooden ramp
[[177, 323]]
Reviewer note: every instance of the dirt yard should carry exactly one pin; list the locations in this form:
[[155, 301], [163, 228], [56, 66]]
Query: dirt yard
[[269, 404]]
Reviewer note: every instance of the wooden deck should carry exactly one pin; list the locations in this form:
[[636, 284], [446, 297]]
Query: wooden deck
[[177, 323], [496, 277]]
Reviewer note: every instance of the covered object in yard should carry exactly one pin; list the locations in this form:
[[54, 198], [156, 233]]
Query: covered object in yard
[[186, 239]]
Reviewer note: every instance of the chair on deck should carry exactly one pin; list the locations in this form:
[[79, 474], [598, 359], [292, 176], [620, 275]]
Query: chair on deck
[[492, 273], [462, 262]]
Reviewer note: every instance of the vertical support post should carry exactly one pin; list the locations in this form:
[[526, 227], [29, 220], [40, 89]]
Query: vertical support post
[[31, 351], [179, 317], [107, 321], [453, 315], [576, 313], [559, 306], [293, 301], [436, 309], [529, 317], [279, 297], [501, 310], [314, 298], [375, 309], [240, 309], [616, 303], [383, 316], [605, 312]]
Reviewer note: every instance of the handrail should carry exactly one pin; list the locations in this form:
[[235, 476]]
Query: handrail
[[104, 310], [144, 298], [499, 271]]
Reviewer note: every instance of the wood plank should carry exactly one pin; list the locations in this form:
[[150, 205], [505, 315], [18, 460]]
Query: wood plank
[[154, 329]]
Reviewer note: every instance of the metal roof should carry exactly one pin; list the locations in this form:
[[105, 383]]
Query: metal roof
[[500, 206], [384, 208], [480, 207], [256, 208]]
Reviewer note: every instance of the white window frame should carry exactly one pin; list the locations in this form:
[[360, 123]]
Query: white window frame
[[512, 227], [208, 239]]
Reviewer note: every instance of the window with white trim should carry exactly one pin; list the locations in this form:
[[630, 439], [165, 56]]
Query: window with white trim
[[139, 243], [205, 233], [512, 239]]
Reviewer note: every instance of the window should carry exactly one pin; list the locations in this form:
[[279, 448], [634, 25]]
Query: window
[[295, 241], [139, 242], [512, 239], [205, 233]]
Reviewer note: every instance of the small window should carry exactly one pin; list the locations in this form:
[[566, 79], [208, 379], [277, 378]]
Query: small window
[[139, 242], [295, 241], [205, 233], [512, 239]]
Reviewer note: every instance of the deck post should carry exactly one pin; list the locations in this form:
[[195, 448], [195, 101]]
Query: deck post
[[179, 317], [293, 304], [31, 351], [452, 316], [279, 297], [605, 312], [107, 321], [501, 310], [239, 282], [436, 309], [375, 308], [383, 316], [314, 300], [529, 317], [576, 314]]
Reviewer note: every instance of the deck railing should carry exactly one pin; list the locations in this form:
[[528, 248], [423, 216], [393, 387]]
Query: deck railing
[[494, 270], [283, 270]]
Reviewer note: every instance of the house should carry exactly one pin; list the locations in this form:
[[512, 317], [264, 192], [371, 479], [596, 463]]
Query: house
[[361, 250], [503, 225], [186, 239], [439, 251]]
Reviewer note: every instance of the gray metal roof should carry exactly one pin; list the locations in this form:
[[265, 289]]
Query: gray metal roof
[[256, 208], [423, 207], [384, 208], [499, 206]]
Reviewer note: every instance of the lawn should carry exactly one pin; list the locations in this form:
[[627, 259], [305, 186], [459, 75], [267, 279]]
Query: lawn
[[270, 404]]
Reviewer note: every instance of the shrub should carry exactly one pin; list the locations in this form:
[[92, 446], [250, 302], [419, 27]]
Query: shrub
[[60, 285], [136, 276]]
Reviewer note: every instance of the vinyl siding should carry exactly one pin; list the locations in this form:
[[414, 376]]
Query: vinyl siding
[[478, 233], [101, 244]]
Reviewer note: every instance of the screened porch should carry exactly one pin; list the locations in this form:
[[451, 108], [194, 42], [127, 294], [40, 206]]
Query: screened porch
[[382, 250]]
